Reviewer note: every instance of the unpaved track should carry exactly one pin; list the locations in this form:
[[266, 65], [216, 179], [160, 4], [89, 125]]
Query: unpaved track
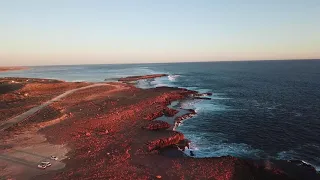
[[7, 124]]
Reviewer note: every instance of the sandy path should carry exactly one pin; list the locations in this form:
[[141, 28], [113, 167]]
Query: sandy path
[[7, 124]]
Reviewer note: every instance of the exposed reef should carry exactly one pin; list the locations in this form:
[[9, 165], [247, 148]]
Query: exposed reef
[[135, 78]]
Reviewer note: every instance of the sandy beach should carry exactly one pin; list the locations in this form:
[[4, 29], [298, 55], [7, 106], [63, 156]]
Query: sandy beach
[[107, 131]]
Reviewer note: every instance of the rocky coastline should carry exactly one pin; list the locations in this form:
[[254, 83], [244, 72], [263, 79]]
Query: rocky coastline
[[111, 133], [12, 68]]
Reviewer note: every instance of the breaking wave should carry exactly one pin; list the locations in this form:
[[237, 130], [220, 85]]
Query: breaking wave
[[173, 77], [204, 148]]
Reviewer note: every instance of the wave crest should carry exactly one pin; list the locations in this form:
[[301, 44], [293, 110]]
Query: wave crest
[[173, 77]]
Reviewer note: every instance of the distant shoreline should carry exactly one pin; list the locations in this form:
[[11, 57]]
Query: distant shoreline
[[174, 62], [12, 68]]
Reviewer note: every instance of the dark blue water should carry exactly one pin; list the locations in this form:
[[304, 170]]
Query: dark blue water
[[267, 109]]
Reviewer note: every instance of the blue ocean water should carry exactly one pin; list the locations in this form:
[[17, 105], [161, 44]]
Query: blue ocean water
[[261, 110]]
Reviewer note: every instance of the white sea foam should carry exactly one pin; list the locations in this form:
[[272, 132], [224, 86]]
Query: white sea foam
[[203, 105], [162, 81], [204, 148], [173, 77], [317, 168], [293, 155], [286, 155], [203, 90], [76, 80], [310, 164], [189, 104], [143, 84]]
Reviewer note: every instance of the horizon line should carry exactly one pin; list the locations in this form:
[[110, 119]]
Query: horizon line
[[218, 61]]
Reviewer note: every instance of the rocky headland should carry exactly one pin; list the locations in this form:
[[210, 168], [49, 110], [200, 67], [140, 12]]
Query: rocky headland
[[12, 68]]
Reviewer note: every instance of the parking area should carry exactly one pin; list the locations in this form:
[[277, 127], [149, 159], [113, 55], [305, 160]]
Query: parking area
[[21, 155]]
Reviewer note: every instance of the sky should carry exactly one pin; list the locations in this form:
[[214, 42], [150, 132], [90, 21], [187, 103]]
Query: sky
[[47, 32]]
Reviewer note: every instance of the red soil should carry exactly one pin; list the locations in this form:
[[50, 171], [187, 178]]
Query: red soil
[[18, 95], [157, 125]]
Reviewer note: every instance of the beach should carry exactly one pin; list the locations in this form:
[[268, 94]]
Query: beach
[[107, 131]]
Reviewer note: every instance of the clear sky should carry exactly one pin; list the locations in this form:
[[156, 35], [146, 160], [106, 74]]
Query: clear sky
[[40, 32]]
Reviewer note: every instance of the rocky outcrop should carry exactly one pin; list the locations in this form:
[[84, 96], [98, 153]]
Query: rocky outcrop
[[170, 112], [174, 138], [166, 111], [136, 78], [182, 144], [153, 116], [202, 96], [157, 125], [186, 116]]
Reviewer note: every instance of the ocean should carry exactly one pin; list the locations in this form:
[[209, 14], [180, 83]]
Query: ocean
[[259, 109]]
